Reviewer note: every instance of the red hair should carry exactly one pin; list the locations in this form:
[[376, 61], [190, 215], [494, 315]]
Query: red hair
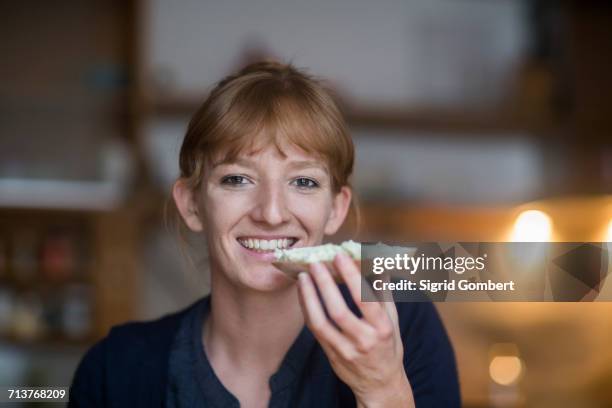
[[267, 103]]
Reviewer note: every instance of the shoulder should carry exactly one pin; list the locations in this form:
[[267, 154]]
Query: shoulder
[[147, 333], [130, 352], [146, 336]]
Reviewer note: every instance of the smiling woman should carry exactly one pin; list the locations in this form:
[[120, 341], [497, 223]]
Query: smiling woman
[[246, 207], [265, 165]]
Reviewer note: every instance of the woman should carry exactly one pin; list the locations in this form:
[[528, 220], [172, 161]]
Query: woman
[[266, 163]]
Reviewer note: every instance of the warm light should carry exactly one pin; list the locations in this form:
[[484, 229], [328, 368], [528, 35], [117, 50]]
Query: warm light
[[505, 370], [532, 226], [609, 234]]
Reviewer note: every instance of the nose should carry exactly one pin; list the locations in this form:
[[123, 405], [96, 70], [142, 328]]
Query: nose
[[271, 207]]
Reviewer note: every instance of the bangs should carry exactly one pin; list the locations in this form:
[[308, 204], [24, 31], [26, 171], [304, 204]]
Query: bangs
[[255, 122], [264, 105]]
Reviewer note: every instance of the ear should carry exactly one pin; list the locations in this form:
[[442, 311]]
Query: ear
[[340, 207], [187, 205]]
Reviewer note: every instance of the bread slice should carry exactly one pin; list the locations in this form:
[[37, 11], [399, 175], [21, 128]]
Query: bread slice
[[321, 253], [296, 260]]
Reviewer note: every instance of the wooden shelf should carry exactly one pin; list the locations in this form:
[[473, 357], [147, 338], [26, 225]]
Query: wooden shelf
[[435, 121], [473, 123], [89, 92], [60, 194]]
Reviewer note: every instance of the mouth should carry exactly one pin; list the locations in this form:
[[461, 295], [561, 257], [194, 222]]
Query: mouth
[[268, 244]]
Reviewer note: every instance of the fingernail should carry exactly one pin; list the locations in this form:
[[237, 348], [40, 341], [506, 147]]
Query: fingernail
[[302, 277]]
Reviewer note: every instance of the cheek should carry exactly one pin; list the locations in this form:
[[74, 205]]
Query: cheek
[[312, 211], [223, 209]]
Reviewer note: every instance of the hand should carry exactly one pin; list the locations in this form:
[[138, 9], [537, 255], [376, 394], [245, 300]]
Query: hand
[[366, 353]]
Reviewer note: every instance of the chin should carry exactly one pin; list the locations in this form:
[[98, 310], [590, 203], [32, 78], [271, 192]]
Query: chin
[[267, 281]]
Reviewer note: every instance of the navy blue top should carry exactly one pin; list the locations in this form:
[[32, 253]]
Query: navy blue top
[[163, 364]]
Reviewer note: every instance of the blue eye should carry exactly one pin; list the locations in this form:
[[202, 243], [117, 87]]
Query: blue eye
[[234, 180], [305, 183]]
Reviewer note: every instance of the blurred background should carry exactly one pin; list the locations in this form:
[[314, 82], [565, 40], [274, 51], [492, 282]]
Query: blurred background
[[473, 121]]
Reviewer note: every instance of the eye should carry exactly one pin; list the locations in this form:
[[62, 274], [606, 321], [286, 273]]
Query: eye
[[305, 183], [235, 180]]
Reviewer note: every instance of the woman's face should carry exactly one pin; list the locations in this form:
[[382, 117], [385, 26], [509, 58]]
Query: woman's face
[[263, 201]]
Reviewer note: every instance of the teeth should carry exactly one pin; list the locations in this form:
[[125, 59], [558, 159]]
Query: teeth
[[266, 245]]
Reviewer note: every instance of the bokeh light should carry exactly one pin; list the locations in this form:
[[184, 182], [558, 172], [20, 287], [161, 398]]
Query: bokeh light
[[505, 370], [532, 226]]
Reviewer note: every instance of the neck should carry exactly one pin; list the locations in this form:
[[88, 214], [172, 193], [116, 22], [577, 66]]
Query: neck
[[250, 329]]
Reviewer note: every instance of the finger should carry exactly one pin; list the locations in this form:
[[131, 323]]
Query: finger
[[385, 295], [373, 312], [388, 302], [318, 323], [359, 330]]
